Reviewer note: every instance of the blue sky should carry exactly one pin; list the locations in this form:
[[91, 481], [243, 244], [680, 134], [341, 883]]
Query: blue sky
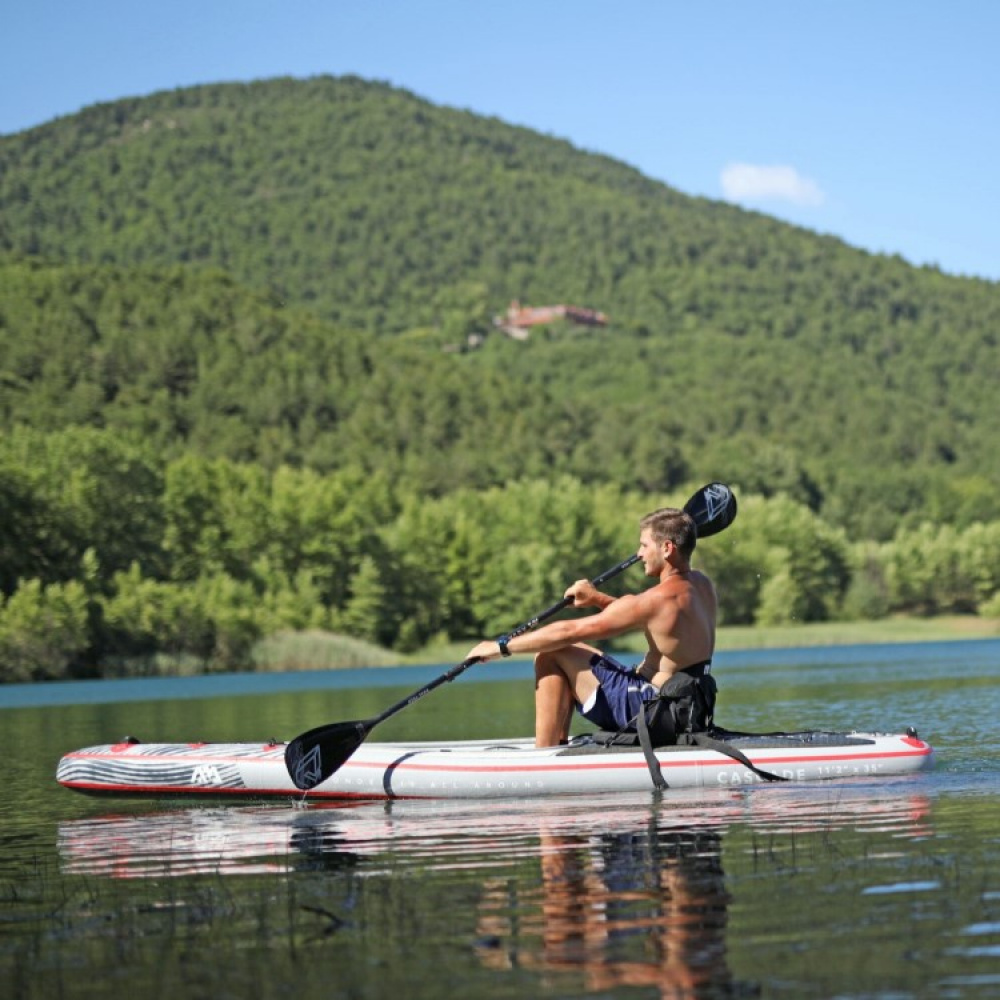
[[875, 120]]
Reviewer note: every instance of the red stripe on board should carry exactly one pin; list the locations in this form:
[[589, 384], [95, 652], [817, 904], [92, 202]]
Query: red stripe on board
[[720, 760]]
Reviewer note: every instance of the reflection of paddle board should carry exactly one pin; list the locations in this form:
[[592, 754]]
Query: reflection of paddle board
[[479, 768], [266, 838]]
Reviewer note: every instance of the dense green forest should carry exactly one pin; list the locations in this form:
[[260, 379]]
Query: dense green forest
[[113, 555], [268, 295]]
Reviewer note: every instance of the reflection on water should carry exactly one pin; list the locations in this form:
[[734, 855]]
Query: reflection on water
[[621, 892], [231, 840], [222, 841], [642, 909]]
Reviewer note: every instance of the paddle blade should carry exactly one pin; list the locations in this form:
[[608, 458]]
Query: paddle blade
[[312, 757], [713, 508]]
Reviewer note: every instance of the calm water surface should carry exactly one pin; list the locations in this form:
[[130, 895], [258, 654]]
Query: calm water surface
[[855, 888]]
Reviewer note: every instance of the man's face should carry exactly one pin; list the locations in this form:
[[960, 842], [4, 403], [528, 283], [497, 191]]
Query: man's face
[[652, 554]]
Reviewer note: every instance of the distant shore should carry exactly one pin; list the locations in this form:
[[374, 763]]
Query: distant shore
[[318, 650]]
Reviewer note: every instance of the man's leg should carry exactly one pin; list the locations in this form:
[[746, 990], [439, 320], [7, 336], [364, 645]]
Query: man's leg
[[563, 678]]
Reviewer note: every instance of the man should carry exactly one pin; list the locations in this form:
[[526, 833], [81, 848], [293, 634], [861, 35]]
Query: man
[[677, 615]]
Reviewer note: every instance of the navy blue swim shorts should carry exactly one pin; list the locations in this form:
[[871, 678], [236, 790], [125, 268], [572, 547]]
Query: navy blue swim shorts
[[622, 691]]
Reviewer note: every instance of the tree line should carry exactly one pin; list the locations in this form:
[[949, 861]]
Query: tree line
[[114, 557]]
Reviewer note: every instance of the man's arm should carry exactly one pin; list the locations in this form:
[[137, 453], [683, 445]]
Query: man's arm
[[621, 615]]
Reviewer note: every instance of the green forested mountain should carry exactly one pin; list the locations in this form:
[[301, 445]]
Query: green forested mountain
[[250, 384], [268, 272]]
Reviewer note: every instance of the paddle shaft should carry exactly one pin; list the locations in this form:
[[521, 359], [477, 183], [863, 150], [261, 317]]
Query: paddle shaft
[[520, 630]]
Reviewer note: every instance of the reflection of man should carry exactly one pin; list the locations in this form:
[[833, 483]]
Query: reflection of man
[[632, 910]]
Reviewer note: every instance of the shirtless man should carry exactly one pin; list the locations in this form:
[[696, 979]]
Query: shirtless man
[[677, 616]]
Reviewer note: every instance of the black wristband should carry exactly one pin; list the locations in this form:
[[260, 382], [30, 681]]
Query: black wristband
[[502, 643]]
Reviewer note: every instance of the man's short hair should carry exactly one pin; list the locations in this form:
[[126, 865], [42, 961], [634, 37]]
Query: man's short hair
[[671, 524]]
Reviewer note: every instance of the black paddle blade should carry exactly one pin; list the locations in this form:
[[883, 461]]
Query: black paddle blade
[[312, 757], [713, 508]]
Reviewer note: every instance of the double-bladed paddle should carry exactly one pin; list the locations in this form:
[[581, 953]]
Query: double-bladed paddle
[[312, 757]]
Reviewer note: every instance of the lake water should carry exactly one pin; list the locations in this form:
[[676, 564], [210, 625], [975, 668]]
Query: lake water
[[854, 888]]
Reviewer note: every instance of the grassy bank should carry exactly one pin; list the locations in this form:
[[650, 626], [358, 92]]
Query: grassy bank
[[850, 633]]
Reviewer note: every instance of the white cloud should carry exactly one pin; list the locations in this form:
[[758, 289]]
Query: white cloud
[[748, 182]]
